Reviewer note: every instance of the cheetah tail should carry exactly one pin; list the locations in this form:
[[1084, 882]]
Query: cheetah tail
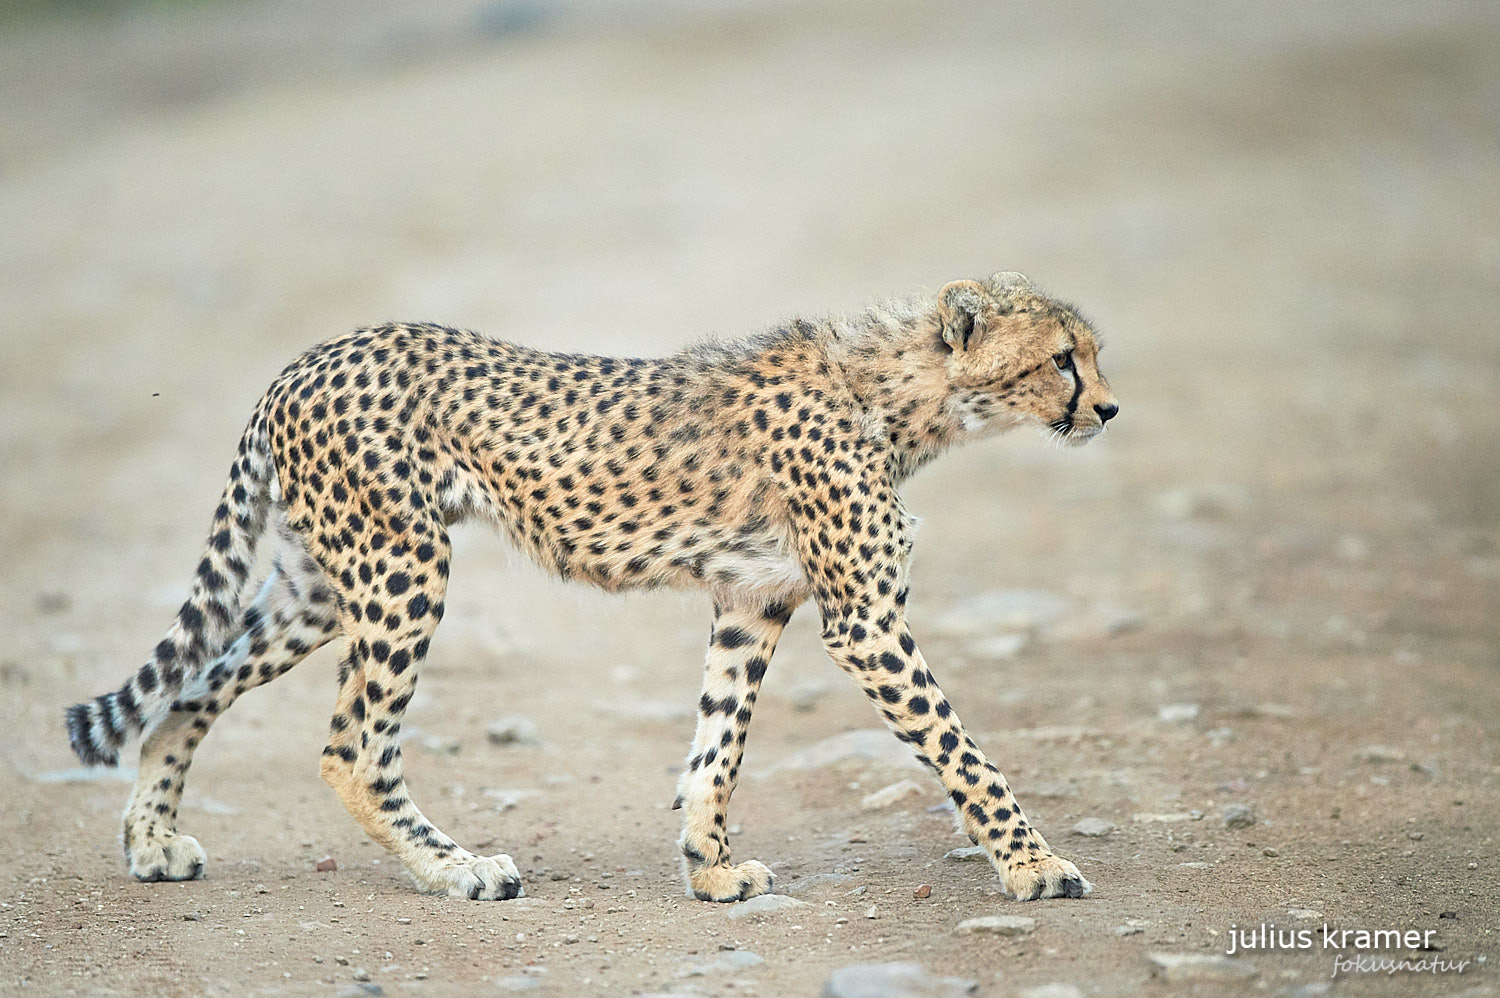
[[206, 622]]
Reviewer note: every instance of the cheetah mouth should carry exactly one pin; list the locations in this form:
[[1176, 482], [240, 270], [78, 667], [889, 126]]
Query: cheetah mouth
[[1074, 435]]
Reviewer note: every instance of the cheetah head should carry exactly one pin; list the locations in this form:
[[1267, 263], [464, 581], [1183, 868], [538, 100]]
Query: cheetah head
[[1015, 356]]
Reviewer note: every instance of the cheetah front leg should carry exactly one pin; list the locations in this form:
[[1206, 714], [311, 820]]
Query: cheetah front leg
[[861, 591], [740, 646], [885, 661]]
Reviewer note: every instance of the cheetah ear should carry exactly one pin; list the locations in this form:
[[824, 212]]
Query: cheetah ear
[[959, 306], [1007, 281]]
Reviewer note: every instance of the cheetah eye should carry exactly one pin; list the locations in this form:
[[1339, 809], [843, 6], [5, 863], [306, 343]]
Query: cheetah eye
[[1064, 360]]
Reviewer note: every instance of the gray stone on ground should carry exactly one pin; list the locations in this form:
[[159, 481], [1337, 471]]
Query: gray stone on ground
[[1199, 967], [997, 925], [724, 963], [1093, 827], [441, 744], [1177, 713], [518, 984], [1052, 991], [506, 798], [362, 990], [893, 794], [1279, 711], [967, 854], [872, 745], [512, 729], [1145, 818], [813, 882], [766, 904], [893, 980], [1238, 816]]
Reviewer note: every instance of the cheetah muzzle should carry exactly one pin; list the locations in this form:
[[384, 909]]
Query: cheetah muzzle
[[764, 471]]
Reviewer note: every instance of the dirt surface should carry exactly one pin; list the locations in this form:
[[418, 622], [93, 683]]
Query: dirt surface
[[1274, 583]]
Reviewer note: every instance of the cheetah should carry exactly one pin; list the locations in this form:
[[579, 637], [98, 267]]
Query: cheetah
[[764, 471]]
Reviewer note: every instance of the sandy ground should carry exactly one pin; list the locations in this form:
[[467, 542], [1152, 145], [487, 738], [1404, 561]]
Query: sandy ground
[[1274, 583]]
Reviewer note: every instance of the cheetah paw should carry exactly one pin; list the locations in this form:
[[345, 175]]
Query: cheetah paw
[[1051, 877], [478, 878], [172, 857], [731, 883]]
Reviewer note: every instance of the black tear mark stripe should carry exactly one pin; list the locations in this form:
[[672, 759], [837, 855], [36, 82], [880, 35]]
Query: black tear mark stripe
[[1077, 392]]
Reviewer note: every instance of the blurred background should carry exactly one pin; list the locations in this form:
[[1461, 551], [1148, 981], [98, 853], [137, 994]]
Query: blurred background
[[1273, 583]]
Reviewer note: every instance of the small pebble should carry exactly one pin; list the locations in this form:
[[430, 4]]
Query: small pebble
[[511, 730], [327, 865], [1238, 816], [923, 891], [441, 744], [1270, 851]]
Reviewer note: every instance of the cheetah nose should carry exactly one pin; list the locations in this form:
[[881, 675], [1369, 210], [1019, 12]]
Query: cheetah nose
[[1106, 412]]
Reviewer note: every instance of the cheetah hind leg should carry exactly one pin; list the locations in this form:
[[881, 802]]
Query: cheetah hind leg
[[290, 618], [386, 642], [363, 766]]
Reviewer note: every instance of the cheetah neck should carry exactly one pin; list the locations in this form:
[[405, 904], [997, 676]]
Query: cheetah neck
[[895, 366]]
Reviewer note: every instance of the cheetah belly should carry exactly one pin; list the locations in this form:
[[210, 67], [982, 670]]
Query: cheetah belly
[[773, 571]]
